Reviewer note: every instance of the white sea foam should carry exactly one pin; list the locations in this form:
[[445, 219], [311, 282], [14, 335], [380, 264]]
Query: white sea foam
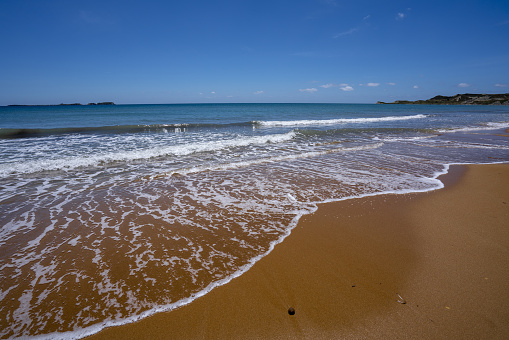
[[434, 184], [104, 158], [276, 123], [485, 126], [465, 145], [74, 241], [274, 159], [405, 139]]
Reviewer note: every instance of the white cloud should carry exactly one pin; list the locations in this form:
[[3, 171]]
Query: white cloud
[[392, 84], [361, 26], [463, 85], [258, 92], [501, 85], [213, 92], [326, 86], [373, 84], [342, 34], [311, 90], [403, 15], [416, 87], [346, 87]]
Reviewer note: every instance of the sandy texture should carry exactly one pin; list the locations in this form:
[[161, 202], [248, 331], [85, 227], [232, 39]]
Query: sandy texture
[[446, 253]]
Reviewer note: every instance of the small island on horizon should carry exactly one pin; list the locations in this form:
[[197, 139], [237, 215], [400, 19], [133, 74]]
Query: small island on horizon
[[460, 99], [62, 104]]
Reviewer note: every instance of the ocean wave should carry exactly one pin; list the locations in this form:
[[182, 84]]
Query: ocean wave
[[235, 165], [103, 159], [485, 126], [13, 133], [9, 133], [281, 123], [363, 131]]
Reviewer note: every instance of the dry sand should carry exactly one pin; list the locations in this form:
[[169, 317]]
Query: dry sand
[[446, 253]]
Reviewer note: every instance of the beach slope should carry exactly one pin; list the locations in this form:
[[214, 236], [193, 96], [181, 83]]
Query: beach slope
[[425, 265]]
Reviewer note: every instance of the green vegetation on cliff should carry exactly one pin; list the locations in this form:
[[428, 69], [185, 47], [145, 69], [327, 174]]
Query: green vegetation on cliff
[[461, 99]]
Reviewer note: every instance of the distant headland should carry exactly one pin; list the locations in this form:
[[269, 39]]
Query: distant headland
[[62, 104], [461, 99]]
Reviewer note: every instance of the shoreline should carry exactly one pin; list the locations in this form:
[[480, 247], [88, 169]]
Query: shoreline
[[341, 280]]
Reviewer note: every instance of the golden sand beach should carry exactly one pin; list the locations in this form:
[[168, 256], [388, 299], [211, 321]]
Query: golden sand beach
[[417, 266]]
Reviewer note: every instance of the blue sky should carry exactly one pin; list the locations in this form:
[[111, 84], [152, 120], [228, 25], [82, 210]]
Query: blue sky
[[55, 51]]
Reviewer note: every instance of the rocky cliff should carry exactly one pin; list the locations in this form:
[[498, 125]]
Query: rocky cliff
[[461, 99]]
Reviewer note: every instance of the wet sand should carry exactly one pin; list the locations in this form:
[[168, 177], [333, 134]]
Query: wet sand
[[446, 253]]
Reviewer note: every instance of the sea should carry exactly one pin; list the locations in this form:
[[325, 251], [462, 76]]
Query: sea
[[111, 213]]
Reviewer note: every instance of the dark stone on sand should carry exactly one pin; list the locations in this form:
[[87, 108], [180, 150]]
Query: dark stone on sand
[[291, 311]]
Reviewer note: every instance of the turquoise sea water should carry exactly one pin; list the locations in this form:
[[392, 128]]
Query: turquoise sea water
[[112, 213]]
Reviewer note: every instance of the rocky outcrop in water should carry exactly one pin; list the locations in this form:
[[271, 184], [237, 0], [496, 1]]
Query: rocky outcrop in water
[[62, 104]]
